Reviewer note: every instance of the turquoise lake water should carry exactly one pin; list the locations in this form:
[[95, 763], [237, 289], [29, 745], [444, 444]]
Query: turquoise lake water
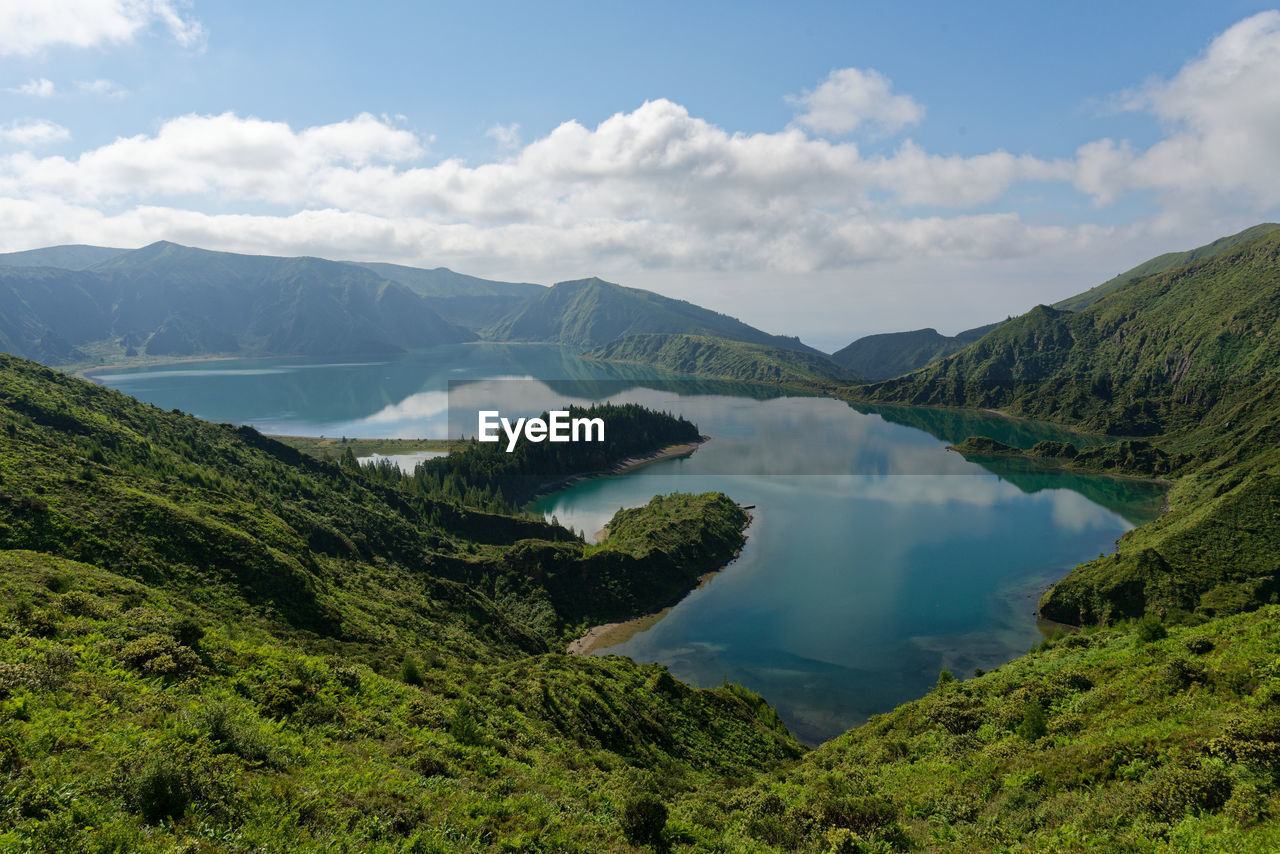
[[875, 558]]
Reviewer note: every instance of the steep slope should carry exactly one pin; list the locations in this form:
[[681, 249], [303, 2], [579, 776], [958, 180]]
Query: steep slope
[[892, 354], [170, 300], [1191, 357], [1120, 740], [719, 358], [203, 620], [465, 300], [75, 256], [1164, 262], [592, 312]]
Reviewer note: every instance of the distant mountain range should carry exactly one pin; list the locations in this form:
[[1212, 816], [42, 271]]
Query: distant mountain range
[[68, 304], [705, 356]]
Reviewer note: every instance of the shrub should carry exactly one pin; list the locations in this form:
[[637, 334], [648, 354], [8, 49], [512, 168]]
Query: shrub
[[1033, 724], [1149, 629], [410, 671], [1176, 790], [644, 817], [1198, 646], [463, 725], [159, 655]]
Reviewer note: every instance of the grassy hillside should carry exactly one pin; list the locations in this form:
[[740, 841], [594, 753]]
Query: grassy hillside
[[592, 312], [211, 639], [168, 300], [1162, 263], [722, 359], [1189, 357], [465, 300], [1121, 740], [892, 354]]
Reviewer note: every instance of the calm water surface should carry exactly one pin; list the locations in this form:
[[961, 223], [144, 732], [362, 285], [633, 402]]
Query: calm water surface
[[875, 559]]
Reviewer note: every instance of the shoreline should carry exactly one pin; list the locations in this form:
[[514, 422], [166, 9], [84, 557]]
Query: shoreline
[[623, 466], [83, 372], [612, 634]]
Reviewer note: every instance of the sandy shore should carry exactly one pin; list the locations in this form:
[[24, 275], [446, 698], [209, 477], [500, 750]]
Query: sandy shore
[[83, 373], [612, 634]]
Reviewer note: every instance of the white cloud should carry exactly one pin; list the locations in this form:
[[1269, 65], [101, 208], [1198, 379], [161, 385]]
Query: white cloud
[[31, 133], [507, 136], [664, 199], [27, 28], [850, 97], [102, 87], [40, 87], [1222, 114]]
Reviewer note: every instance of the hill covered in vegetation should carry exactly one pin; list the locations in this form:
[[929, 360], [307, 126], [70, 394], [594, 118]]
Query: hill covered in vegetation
[[593, 312], [720, 358], [892, 354], [1187, 358], [172, 301]]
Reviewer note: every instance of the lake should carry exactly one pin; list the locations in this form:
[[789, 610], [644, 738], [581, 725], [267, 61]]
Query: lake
[[875, 557]]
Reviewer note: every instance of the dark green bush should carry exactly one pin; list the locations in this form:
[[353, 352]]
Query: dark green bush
[[644, 817]]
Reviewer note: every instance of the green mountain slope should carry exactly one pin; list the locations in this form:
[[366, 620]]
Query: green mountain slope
[[1189, 357], [170, 300], [74, 256], [1124, 740], [1164, 262], [592, 312], [722, 359], [203, 620], [465, 300], [892, 354]]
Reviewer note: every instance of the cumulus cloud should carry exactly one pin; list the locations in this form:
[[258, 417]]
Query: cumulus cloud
[[102, 88], [39, 87], [1222, 116], [507, 136], [850, 97], [32, 133], [658, 192], [27, 28]]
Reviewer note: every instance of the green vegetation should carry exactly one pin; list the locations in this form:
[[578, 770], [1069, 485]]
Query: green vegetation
[[1163, 263], [593, 312], [333, 447], [1128, 457], [465, 300], [892, 354], [1124, 739], [172, 301], [1189, 359], [723, 359], [211, 639], [485, 475]]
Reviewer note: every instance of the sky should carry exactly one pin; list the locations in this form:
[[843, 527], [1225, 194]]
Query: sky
[[822, 169]]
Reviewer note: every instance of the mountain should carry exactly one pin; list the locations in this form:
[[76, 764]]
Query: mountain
[[202, 618], [892, 354], [171, 300], [465, 300], [71, 257], [719, 358], [1188, 357], [211, 641], [1164, 262], [592, 312]]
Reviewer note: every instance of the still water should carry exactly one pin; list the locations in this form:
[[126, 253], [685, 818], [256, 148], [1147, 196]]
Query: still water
[[875, 557]]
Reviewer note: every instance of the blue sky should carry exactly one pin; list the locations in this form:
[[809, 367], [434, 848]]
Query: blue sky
[[827, 169]]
